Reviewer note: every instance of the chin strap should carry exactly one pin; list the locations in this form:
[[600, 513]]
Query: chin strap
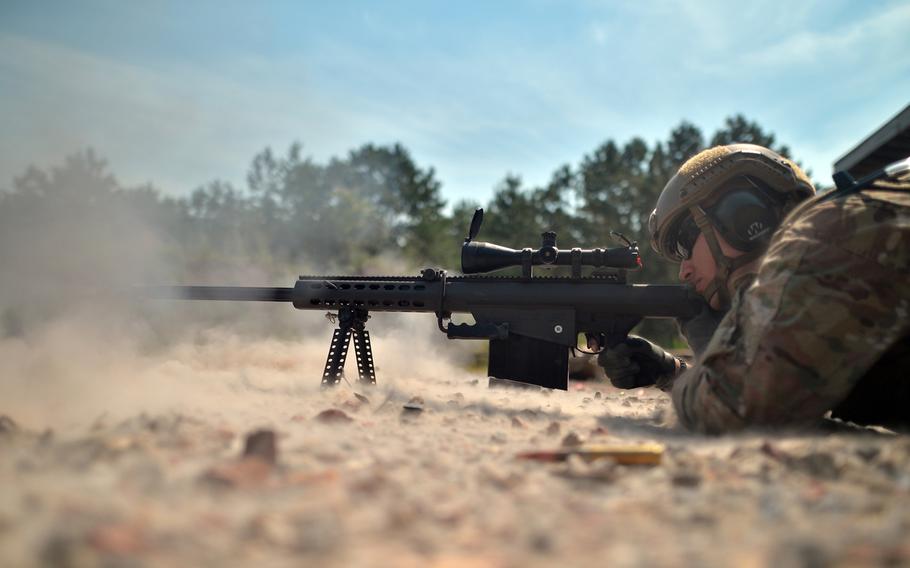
[[726, 265]]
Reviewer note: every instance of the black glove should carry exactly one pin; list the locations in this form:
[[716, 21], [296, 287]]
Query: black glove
[[699, 329], [636, 362]]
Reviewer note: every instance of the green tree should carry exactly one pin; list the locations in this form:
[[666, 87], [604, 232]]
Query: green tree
[[738, 129]]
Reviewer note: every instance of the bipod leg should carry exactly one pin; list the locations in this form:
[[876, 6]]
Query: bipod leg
[[338, 352], [364, 353]]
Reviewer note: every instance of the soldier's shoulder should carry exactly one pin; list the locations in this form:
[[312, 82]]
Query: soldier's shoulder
[[888, 193], [896, 192]]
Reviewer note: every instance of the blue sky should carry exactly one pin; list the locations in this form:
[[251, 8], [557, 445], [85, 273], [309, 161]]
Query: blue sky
[[180, 93]]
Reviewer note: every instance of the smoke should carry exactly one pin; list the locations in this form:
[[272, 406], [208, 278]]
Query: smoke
[[77, 344]]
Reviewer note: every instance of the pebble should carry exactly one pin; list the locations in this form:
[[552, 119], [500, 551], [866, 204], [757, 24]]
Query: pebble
[[118, 539], [333, 416], [261, 444], [416, 405], [8, 425], [571, 440]]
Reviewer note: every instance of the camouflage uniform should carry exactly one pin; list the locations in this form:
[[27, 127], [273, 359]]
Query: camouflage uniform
[[823, 326]]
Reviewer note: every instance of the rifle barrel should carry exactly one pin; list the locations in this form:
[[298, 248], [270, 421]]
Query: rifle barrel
[[221, 293]]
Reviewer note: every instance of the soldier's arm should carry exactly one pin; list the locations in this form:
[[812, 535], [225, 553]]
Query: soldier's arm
[[828, 298]]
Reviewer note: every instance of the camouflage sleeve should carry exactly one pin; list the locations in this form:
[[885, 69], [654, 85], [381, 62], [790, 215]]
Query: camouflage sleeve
[[831, 295]]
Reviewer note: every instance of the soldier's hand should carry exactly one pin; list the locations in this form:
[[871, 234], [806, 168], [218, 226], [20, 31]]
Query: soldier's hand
[[636, 362], [699, 329]]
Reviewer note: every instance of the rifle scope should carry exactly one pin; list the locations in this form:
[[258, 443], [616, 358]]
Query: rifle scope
[[479, 257]]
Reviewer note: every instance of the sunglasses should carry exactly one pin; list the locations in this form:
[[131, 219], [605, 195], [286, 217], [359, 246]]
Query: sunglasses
[[685, 238]]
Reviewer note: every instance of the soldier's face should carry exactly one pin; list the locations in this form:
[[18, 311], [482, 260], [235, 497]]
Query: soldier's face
[[700, 269]]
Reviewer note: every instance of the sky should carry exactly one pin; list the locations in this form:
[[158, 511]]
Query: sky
[[181, 93]]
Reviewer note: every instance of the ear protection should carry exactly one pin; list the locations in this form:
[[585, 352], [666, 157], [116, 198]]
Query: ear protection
[[745, 216]]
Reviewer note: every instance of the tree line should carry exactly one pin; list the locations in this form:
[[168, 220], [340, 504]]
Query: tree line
[[294, 213]]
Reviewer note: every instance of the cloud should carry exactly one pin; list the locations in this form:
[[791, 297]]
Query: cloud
[[181, 125], [177, 124], [885, 30]]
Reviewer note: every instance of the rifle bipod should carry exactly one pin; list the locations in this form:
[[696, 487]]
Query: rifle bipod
[[351, 321]]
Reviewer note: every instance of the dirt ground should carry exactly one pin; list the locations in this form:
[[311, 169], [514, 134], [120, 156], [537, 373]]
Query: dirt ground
[[228, 453]]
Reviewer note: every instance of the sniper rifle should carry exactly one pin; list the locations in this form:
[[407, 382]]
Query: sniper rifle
[[531, 322]]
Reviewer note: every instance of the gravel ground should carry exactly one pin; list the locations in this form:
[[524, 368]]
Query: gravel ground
[[220, 454]]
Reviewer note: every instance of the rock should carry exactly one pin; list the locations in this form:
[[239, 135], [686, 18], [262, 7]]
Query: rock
[[255, 466], [686, 478], [8, 425], [261, 444], [518, 422], [772, 451], [412, 408], [868, 453], [333, 416], [571, 440], [352, 404], [415, 405], [249, 472], [817, 464], [801, 552], [65, 550], [553, 429], [117, 538]]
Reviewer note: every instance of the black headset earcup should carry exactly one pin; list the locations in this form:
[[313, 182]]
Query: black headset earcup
[[745, 220]]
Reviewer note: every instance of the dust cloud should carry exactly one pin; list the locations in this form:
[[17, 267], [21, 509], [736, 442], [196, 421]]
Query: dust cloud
[[78, 342]]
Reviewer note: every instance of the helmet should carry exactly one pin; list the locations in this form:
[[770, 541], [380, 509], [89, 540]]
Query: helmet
[[740, 191], [709, 175]]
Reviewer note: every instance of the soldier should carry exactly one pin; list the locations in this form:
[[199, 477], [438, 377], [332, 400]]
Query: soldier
[[812, 319]]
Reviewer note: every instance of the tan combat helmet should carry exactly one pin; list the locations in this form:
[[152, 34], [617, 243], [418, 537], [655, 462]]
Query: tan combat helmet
[[704, 180]]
